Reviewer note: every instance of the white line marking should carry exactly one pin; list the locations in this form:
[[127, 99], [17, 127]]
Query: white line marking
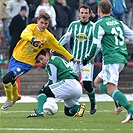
[[49, 129], [58, 111]]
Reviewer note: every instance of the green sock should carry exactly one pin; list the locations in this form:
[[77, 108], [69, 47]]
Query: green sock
[[92, 96], [103, 88], [122, 100], [41, 100], [74, 109]]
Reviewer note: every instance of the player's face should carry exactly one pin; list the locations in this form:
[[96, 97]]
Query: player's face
[[43, 59], [84, 15], [42, 24]]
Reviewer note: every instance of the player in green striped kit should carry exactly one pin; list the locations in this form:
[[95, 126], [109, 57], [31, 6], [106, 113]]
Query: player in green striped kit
[[109, 35], [63, 84], [81, 31]]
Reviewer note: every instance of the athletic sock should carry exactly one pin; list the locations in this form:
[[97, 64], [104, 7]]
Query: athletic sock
[[8, 91], [74, 109], [103, 88], [122, 100], [41, 100], [15, 91], [92, 96]]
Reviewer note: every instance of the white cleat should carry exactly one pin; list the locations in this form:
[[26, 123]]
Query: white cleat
[[7, 105], [129, 117]]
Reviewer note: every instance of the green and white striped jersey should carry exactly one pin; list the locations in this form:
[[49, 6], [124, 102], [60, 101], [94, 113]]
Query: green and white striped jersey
[[82, 38], [109, 35], [59, 69]]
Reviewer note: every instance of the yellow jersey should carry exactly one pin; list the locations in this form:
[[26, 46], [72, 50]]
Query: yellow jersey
[[26, 52]]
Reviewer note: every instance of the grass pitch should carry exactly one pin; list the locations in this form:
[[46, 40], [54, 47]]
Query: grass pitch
[[103, 121]]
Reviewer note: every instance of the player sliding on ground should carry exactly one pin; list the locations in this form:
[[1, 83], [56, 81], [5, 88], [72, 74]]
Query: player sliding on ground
[[63, 84]]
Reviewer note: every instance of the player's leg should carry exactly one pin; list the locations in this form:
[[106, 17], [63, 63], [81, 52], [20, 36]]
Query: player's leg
[[44, 93], [15, 94], [8, 80], [118, 108], [15, 69], [111, 76], [73, 93], [98, 82], [87, 77]]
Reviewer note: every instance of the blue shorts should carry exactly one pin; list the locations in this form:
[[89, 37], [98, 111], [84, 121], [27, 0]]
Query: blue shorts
[[18, 68]]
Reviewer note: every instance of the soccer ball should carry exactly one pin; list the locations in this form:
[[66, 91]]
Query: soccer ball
[[50, 107]]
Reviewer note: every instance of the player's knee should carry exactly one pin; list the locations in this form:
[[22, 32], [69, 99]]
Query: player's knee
[[9, 77], [47, 92], [88, 86], [66, 111]]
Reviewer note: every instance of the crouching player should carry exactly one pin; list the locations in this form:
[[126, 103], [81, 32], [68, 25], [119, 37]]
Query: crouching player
[[63, 84]]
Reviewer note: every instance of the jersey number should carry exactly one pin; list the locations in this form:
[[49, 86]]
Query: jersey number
[[119, 38]]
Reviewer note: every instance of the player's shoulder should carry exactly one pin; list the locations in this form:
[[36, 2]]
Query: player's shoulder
[[32, 25], [75, 22]]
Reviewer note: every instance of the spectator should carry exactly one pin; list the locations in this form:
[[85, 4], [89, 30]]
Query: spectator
[[62, 12], [118, 9], [128, 13], [50, 10], [33, 4], [16, 26], [74, 5], [14, 6], [93, 5], [1, 26], [5, 22]]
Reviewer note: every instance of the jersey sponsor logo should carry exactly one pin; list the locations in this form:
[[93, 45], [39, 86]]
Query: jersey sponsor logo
[[44, 38], [112, 23], [85, 70], [81, 37], [32, 49]]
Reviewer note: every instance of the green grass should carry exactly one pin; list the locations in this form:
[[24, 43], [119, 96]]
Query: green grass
[[103, 121]]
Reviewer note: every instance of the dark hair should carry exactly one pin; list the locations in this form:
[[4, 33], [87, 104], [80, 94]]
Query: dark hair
[[105, 6], [85, 7], [45, 16], [43, 52]]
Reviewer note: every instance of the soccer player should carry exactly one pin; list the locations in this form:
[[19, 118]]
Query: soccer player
[[63, 84], [109, 34], [35, 37], [81, 32]]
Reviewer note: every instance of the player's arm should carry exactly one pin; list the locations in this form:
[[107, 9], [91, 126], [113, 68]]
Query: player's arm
[[96, 44], [127, 32], [66, 37], [27, 34]]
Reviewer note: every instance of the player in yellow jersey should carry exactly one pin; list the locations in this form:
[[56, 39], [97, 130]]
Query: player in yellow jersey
[[34, 38]]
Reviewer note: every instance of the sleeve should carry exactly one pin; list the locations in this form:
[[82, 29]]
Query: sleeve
[[98, 33], [66, 38], [27, 33], [56, 46], [128, 32], [53, 75]]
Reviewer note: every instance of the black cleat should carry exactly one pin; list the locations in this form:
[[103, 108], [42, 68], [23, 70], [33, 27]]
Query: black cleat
[[93, 108], [35, 114]]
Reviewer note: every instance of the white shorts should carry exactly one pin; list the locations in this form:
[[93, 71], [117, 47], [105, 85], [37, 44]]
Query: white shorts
[[69, 90], [110, 73], [85, 71]]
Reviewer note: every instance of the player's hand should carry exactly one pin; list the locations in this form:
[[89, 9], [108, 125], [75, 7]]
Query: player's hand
[[37, 43], [85, 61], [76, 60]]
